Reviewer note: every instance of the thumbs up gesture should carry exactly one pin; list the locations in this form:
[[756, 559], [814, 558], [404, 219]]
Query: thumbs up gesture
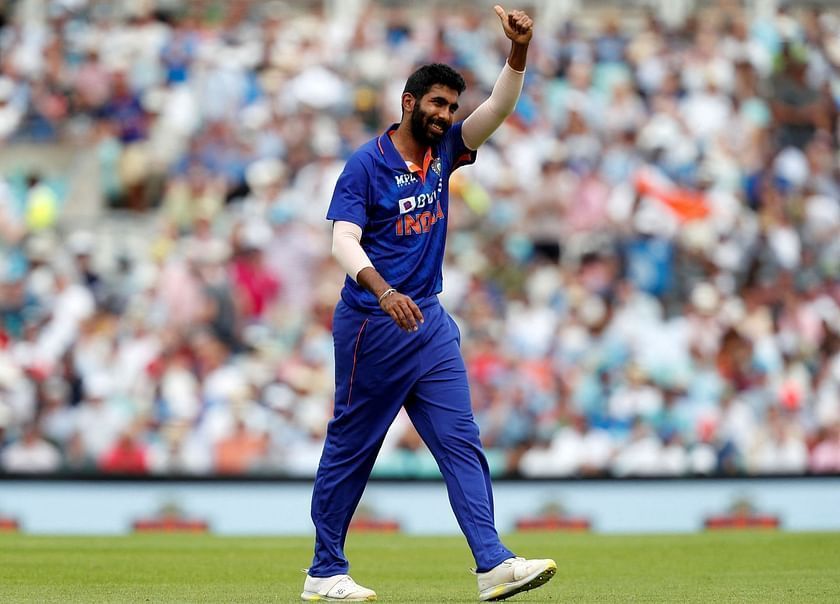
[[518, 26]]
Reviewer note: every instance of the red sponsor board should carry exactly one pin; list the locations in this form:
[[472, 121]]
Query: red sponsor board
[[9, 525], [554, 522], [170, 525], [368, 520], [758, 521], [374, 525], [742, 514]]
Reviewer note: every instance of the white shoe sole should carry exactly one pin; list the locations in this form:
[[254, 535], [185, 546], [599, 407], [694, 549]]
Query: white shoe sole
[[309, 596], [506, 590]]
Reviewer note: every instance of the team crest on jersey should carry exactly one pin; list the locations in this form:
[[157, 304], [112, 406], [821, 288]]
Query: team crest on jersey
[[436, 166]]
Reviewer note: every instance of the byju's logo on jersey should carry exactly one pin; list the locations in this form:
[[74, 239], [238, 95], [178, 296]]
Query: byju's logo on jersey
[[415, 218], [407, 204], [405, 179], [417, 202]]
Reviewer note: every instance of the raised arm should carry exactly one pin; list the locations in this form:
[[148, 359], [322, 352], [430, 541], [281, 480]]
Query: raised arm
[[482, 122]]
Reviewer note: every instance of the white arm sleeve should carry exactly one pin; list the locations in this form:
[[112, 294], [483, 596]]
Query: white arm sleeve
[[347, 248], [488, 116]]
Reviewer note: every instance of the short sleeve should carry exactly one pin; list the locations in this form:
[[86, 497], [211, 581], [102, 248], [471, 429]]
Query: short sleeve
[[349, 200], [454, 150]]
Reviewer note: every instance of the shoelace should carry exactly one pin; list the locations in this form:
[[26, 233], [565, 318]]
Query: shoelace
[[347, 581]]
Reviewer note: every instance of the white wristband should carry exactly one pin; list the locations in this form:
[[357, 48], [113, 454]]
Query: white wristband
[[387, 293]]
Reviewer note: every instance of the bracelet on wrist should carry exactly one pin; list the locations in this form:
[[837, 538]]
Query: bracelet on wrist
[[387, 293]]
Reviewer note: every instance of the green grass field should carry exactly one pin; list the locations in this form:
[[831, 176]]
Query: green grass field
[[710, 567]]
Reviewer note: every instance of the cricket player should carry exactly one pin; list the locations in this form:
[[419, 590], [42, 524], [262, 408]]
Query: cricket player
[[395, 345]]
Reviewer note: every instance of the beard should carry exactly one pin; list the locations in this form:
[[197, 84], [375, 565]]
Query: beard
[[421, 127]]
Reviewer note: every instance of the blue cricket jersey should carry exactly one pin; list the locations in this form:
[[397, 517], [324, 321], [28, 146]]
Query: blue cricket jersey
[[403, 214]]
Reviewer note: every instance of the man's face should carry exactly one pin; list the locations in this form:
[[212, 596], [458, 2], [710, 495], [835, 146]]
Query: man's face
[[433, 114]]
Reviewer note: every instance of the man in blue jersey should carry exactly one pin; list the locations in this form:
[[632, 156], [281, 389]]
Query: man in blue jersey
[[395, 346]]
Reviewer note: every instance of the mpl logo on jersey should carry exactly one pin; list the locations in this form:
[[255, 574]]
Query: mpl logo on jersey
[[403, 180]]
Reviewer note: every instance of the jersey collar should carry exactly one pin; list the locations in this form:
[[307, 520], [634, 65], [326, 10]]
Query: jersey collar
[[393, 157]]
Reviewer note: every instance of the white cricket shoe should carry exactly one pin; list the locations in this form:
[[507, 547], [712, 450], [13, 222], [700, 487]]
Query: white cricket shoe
[[513, 576], [338, 588]]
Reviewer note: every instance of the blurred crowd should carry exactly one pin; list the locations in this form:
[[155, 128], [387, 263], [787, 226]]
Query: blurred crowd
[[644, 261]]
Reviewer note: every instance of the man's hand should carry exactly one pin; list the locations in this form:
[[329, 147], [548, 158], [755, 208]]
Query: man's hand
[[403, 310], [517, 25], [400, 307]]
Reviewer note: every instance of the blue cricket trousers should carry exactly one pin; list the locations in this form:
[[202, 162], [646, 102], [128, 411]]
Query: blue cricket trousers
[[378, 369]]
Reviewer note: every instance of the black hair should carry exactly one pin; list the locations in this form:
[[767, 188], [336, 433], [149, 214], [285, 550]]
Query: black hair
[[425, 77]]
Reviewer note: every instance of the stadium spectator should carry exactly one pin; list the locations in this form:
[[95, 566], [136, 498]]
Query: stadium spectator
[[241, 452], [126, 456], [825, 458], [31, 454]]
